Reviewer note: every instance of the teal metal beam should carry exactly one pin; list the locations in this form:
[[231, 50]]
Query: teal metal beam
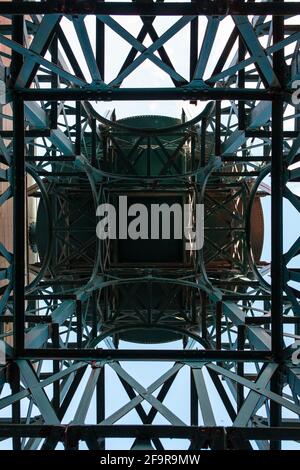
[[146, 52], [255, 48], [206, 47], [87, 50], [40, 43], [203, 398]]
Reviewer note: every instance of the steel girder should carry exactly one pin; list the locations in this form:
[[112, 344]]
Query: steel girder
[[245, 348], [126, 8]]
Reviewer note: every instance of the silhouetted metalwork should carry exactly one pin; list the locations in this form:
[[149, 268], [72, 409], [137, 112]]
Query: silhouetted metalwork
[[70, 303]]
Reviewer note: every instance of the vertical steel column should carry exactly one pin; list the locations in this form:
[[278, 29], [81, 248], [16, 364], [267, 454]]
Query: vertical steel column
[[100, 46], [148, 156], [277, 184], [14, 378], [240, 367], [194, 400], [94, 142], [94, 315], [241, 84], [203, 315], [219, 311], [218, 129], [193, 48], [18, 184], [54, 82], [203, 140], [56, 368], [78, 128], [100, 402], [79, 323]]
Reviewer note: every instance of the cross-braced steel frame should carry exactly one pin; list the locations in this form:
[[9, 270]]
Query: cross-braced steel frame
[[60, 333]]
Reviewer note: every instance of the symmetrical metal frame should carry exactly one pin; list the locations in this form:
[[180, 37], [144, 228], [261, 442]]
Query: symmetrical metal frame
[[245, 346]]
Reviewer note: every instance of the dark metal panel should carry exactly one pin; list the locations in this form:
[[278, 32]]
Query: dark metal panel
[[142, 8], [127, 94]]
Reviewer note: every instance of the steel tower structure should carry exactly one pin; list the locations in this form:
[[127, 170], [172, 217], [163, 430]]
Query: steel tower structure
[[71, 304]]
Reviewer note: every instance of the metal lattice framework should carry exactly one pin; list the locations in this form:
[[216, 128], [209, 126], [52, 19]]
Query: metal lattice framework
[[61, 322]]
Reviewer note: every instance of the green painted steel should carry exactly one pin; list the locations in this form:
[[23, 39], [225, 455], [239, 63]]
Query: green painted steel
[[87, 325]]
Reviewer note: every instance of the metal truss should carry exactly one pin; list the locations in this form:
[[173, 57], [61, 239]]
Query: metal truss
[[66, 365]]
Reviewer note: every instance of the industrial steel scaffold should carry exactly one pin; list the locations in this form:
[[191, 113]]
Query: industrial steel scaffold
[[81, 317]]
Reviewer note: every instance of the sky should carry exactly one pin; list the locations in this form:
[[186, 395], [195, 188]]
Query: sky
[[150, 75]]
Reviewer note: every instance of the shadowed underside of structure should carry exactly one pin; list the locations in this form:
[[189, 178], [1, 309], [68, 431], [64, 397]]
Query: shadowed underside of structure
[[141, 343]]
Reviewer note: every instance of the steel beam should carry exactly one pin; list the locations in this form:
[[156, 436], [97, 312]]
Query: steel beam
[[192, 356], [277, 261], [18, 185], [205, 7], [149, 431], [72, 329], [92, 93]]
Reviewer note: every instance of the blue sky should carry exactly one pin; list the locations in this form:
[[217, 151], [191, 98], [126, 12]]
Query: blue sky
[[150, 75]]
